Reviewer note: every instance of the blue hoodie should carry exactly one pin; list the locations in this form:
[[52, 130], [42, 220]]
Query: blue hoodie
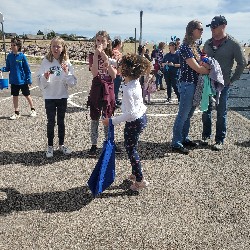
[[19, 69]]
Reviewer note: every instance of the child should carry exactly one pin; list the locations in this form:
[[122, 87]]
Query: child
[[132, 67], [20, 76], [116, 47], [54, 77], [149, 87], [101, 98]]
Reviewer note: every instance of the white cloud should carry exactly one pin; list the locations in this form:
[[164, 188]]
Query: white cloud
[[161, 19]]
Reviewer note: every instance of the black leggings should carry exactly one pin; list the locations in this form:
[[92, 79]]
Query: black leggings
[[55, 107]]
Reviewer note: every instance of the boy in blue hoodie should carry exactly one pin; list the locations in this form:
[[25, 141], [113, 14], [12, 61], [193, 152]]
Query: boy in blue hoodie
[[19, 77]]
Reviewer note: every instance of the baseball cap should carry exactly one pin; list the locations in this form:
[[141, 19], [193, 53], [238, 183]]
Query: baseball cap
[[217, 21]]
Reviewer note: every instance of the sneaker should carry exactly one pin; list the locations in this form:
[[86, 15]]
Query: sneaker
[[65, 150], [15, 116], [190, 144], [180, 150], [118, 150], [136, 186], [218, 146], [132, 177], [49, 152], [205, 141], [169, 100], [92, 151], [32, 113]]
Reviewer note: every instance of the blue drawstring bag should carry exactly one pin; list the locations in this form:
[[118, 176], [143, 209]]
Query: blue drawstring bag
[[103, 174]]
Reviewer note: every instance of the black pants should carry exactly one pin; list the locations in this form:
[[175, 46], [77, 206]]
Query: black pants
[[132, 131], [171, 81], [55, 107]]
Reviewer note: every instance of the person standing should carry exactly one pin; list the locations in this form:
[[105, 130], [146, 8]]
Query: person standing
[[117, 55], [54, 77], [225, 49], [158, 67], [190, 70], [133, 113], [171, 66], [101, 98], [20, 76]]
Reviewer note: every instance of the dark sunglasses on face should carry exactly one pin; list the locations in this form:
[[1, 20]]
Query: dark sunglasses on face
[[200, 29]]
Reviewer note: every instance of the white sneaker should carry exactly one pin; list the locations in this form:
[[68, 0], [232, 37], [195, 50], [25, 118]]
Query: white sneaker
[[136, 186], [14, 117], [32, 113], [65, 150], [49, 152]]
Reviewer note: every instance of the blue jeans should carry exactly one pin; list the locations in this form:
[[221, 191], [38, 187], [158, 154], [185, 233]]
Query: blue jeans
[[186, 111], [158, 80], [117, 84], [221, 123], [132, 131]]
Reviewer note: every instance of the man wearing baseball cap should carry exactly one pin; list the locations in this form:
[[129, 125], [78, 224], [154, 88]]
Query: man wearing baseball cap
[[226, 50]]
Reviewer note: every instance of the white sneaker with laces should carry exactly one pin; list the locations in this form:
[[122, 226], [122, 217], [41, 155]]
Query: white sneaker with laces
[[65, 150], [32, 113], [136, 186], [14, 117], [49, 152]]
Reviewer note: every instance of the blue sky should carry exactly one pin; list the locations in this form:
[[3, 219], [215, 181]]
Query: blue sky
[[161, 18]]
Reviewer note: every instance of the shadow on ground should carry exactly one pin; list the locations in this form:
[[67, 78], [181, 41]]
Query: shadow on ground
[[147, 151], [243, 144], [60, 201]]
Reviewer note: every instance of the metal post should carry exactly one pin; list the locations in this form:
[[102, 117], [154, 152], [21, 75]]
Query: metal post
[[141, 13], [4, 45], [135, 40]]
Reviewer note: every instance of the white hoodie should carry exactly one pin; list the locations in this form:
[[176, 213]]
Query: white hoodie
[[56, 86]]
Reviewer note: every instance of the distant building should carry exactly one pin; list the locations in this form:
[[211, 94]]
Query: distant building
[[10, 35]]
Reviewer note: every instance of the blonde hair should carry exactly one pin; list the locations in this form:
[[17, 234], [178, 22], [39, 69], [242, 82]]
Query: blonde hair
[[64, 55], [134, 66], [105, 34], [189, 38]]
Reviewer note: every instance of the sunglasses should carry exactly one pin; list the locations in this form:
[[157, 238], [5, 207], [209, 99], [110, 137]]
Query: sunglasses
[[200, 29]]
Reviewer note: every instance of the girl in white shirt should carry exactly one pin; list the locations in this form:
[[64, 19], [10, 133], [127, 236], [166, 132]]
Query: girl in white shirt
[[55, 75], [133, 113]]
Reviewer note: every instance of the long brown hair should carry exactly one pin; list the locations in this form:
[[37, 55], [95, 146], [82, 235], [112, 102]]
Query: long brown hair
[[189, 38], [63, 56], [105, 34]]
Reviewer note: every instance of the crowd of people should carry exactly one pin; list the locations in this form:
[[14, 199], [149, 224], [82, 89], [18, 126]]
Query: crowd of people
[[185, 68]]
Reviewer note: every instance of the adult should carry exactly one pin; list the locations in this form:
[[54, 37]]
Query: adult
[[225, 49], [190, 70], [158, 67], [171, 65]]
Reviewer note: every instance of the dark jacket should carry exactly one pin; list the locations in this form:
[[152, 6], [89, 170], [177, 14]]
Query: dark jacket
[[101, 98]]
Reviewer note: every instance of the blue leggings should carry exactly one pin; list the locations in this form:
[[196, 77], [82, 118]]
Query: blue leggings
[[132, 131]]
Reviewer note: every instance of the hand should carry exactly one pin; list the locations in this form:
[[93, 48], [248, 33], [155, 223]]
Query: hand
[[105, 121], [171, 64], [99, 49], [47, 74], [65, 67]]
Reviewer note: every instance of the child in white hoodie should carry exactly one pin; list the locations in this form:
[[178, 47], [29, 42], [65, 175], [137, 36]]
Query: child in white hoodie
[[55, 75]]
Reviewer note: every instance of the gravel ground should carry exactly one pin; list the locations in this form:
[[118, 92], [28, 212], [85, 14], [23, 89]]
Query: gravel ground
[[199, 201]]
